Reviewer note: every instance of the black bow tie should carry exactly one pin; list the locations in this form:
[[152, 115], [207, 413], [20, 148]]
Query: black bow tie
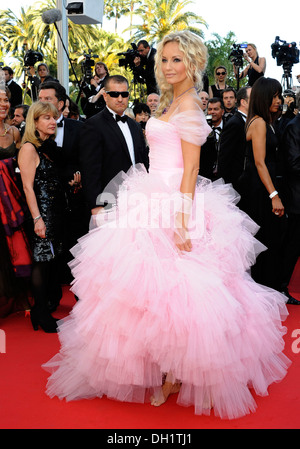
[[60, 124], [217, 128], [123, 118]]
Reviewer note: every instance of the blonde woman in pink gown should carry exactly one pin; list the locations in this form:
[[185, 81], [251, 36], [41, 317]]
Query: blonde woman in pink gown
[[166, 302]]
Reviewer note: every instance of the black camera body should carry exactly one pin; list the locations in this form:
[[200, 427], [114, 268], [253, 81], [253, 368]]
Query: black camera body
[[285, 54], [236, 55], [130, 54], [87, 66], [31, 57], [128, 62]]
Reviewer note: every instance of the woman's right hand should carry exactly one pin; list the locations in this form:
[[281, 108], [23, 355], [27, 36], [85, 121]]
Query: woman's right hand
[[182, 240], [40, 228], [277, 206]]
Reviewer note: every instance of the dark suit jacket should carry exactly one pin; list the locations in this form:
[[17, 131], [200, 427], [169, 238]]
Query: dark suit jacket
[[70, 149], [146, 71], [209, 156], [16, 94], [232, 150], [291, 148], [104, 152]]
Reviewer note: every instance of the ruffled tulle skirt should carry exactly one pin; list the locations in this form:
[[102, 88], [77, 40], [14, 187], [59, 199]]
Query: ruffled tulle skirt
[[145, 309]]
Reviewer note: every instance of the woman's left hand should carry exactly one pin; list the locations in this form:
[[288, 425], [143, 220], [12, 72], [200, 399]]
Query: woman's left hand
[[277, 206], [76, 181], [40, 228]]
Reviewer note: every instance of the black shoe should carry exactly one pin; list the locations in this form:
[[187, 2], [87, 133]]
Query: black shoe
[[291, 299], [44, 320]]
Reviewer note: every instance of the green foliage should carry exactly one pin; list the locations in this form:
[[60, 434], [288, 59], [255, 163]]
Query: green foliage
[[219, 50], [153, 19], [160, 17]]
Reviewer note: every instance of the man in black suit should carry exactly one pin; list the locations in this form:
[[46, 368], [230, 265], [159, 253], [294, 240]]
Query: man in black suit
[[145, 65], [67, 139], [233, 141], [210, 150], [229, 98], [110, 142], [291, 155], [14, 88]]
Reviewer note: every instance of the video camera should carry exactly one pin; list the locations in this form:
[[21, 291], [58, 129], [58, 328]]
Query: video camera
[[87, 64], [31, 57], [236, 55], [130, 54], [285, 54]]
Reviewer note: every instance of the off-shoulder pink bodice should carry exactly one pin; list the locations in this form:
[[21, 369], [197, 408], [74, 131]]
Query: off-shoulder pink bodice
[[164, 139]]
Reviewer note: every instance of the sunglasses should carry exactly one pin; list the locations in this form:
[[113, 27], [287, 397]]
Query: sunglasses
[[116, 94], [221, 73]]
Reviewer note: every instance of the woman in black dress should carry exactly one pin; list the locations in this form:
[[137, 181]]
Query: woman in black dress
[[260, 198], [38, 161], [216, 89]]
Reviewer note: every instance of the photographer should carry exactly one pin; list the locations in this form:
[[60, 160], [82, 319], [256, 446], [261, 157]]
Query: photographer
[[93, 102], [36, 81], [256, 67], [144, 65]]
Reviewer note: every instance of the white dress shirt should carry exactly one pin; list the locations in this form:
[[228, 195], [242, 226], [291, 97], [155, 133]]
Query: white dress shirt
[[60, 132], [127, 135]]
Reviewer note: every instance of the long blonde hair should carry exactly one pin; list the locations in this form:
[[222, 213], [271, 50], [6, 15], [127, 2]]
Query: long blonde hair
[[35, 111], [194, 59]]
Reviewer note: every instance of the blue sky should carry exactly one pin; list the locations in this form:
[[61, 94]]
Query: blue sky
[[257, 21]]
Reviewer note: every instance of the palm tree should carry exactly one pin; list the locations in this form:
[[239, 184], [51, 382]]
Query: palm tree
[[17, 35], [160, 17]]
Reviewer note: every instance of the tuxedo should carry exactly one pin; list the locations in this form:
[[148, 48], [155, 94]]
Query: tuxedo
[[209, 153], [232, 149], [76, 219], [104, 152], [68, 144], [15, 92]]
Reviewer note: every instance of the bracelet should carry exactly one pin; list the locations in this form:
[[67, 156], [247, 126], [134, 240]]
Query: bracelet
[[36, 219], [273, 194]]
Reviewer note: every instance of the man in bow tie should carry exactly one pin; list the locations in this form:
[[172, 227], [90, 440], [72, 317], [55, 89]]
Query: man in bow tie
[[110, 142], [210, 150]]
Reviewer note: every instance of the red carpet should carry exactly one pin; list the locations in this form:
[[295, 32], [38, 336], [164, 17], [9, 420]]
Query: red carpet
[[24, 405]]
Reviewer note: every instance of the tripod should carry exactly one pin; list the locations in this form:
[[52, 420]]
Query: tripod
[[287, 80]]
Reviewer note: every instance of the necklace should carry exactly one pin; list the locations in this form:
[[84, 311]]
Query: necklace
[[5, 132], [168, 107], [193, 87]]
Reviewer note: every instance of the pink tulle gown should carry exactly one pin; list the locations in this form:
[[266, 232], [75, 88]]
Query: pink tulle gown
[[147, 310]]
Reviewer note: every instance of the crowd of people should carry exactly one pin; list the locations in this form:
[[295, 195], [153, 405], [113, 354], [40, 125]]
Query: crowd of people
[[57, 174]]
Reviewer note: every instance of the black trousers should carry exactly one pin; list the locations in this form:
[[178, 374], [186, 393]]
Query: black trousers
[[291, 249]]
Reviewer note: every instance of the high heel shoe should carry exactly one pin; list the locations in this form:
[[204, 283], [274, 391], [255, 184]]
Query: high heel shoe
[[46, 322]]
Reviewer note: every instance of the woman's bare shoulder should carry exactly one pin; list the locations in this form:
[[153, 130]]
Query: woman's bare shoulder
[[27, 151]]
